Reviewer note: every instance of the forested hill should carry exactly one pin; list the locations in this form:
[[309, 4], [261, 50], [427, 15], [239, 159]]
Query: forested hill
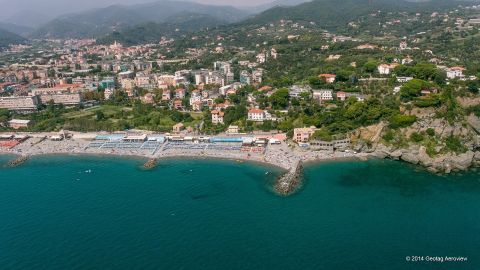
[[152, 32], [331, 14], [99, 22], [7, 38]]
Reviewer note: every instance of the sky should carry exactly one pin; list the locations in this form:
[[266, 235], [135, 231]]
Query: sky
[[53, 8]]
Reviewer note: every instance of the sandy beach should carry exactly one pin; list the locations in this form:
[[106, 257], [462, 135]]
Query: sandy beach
[[279, 155]]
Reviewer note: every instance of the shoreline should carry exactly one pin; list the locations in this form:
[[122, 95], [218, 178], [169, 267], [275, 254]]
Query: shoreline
[[146, 157], [289, 160], [283, 157]]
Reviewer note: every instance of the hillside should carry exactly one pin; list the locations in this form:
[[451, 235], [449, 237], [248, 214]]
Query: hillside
[[16, 29], [331, 14], [103, 21], [7, 38], [278, 3], [152, 32]]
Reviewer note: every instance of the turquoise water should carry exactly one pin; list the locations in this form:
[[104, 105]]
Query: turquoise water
[[105, 213]]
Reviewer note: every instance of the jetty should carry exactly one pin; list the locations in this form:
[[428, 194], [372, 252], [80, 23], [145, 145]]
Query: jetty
[[150, 164], [18, 161], [290, 181]]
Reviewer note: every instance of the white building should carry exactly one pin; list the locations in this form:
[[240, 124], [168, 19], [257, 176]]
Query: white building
[[195, 97], [217, 117], [455, 72], [261, 58], [295, 91], [404, 79], [257, 115], [386, 69], [323, 95]]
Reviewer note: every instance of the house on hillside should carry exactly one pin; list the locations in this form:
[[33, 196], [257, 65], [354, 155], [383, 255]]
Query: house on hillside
[[323, 95], [329, 78], [302, 135], [386, 69], [178, 127], [217, 117], [258, 115], [455, 72]]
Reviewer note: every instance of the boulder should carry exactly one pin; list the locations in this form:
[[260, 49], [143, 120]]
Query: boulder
[[410, 158], [396, 154], [381, 151], [439, 163], [424, 158], [476, 159], [379, 154], [462, 161], [448, 168]]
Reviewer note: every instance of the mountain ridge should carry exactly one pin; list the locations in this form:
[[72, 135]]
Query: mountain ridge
[[8, 38], [332, 13], [102, 21]]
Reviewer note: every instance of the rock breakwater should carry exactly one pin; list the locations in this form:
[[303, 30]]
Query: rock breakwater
[[290, 181]]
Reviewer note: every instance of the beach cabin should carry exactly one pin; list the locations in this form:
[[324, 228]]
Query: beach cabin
[[58, 137], [110, 137], [178, 127], [247, 141], [6, 137], [233, 129], [261, 141], [135, 138], [19, 123], [274, 141], [226, 140], [156, 138]]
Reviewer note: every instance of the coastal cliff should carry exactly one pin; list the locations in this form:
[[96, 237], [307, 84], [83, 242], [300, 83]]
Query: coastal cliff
[[439, 145], [445, 163]]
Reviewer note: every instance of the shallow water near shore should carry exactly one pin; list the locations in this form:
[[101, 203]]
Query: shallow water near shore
[[64, 212]]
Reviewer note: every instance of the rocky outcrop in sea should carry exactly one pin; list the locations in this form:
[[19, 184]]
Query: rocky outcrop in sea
[[150, 164], [17, 161], [439, 164]]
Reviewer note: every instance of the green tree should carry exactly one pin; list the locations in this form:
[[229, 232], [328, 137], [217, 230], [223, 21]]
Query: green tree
[[279, 99]]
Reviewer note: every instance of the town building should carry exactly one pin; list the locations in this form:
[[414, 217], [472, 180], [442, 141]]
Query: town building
[[245, 77], [197, 105], [302, 135], [455, 72], [178, 104], [296, 91], [233, 129], [166, 95], [386, 69], [403, 45], [180, 93], [341, 95], [323, 95], [217, 117], [178, 128], [404, 79], [65, 99], [258, 115], [328, 78], [20, 103], [148, 98]]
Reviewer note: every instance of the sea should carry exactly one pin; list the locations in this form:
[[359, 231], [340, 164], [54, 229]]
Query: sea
[[88, 212]]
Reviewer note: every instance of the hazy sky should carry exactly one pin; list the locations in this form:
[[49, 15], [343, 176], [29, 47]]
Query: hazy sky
[[52, 8]]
